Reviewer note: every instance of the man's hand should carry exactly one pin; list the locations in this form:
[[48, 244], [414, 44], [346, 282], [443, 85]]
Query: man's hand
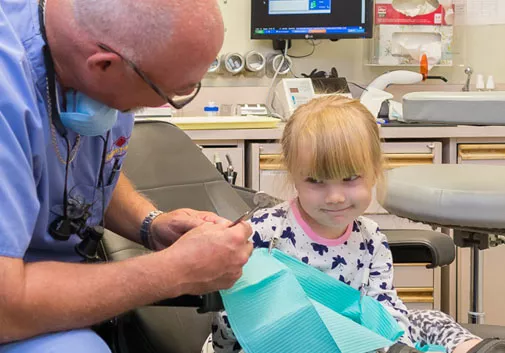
[[210, 257], [169, 227]]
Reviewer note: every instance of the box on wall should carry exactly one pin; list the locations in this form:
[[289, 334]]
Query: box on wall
[[413, 12], [406, 29]]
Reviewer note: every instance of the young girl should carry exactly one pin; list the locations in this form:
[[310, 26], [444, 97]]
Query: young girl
[[332, 152]]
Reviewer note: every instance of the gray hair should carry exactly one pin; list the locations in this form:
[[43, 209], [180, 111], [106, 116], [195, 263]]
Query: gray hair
[[132, 27]]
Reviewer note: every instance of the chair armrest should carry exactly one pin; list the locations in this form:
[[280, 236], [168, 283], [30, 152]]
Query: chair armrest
[[117, 248], [486, 331], [421, 246]]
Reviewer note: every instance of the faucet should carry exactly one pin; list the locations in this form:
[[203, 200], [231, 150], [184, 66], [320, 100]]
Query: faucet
[[468, 72]]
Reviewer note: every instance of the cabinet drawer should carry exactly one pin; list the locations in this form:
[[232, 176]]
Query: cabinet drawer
[[275, 182], [413, 276]]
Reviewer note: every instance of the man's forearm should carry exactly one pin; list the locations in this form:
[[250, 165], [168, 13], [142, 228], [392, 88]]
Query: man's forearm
[[127, 209], [51, 296]]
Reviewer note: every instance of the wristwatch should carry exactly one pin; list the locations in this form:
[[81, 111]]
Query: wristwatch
[[145, 228]]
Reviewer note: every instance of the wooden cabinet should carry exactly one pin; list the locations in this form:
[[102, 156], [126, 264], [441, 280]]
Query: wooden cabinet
[[418, 286]]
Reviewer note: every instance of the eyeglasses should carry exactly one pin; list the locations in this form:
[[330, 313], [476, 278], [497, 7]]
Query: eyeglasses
[[178, 101]]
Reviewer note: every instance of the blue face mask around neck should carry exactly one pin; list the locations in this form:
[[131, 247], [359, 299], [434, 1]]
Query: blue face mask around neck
[[86, 116]]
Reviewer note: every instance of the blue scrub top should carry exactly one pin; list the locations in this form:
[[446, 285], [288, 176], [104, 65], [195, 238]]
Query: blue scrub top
[[31, 174]]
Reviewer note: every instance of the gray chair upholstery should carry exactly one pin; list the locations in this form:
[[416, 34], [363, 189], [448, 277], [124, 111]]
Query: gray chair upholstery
[[449, 195], [167, 167], [468, 198], [486, 331], [421, 246]]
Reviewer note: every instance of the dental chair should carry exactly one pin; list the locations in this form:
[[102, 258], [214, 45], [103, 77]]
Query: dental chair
[[166, 165], [470, 199], [168, 168]]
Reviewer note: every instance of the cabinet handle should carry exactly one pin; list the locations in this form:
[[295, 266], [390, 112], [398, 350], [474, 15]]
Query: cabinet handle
[[483, 151], [395, 160], [409, 156], [416, 295], [271, 162]]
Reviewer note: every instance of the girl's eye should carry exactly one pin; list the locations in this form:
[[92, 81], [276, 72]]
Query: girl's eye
[[313, 181], [352, 178]]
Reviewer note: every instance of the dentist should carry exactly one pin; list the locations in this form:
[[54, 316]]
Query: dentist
[[70, 71]]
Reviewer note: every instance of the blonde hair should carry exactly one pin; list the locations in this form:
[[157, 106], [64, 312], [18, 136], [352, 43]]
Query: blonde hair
[[337, 136]]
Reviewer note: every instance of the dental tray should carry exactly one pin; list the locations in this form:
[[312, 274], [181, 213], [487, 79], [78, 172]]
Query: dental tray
[[466, 108]]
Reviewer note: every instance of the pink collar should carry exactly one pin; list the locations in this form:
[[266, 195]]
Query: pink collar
[[313, 235]]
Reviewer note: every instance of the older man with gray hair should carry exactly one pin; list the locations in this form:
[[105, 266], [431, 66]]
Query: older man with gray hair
[[70, 71]]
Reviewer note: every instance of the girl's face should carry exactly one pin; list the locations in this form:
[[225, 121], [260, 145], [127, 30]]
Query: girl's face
[[329, 206]]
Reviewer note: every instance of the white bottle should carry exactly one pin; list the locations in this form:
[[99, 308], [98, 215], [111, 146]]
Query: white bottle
[[490, 86], [479, 84], [211, 109]]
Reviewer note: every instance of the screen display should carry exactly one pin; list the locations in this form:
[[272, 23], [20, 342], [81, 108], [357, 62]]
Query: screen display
[[311, 19]]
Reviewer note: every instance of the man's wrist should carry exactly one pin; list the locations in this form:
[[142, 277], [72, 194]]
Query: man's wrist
[[145, 228]]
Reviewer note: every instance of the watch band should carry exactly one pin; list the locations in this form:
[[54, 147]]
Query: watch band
[[145, 228]]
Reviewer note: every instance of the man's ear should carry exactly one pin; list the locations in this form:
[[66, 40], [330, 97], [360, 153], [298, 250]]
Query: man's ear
[[102, 61]]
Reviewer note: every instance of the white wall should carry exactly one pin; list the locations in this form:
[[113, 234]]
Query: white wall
[[483, 48]]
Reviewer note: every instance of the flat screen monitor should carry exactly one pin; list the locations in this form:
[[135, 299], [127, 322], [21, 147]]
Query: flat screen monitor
[[311, 19]]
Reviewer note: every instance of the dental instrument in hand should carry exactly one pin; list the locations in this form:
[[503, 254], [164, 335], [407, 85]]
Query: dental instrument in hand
[[272, 244], [261, 200], [365, 281]]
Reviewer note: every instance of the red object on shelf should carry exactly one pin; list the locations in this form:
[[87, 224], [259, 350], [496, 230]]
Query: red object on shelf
[[386, 14], [424, 67]]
